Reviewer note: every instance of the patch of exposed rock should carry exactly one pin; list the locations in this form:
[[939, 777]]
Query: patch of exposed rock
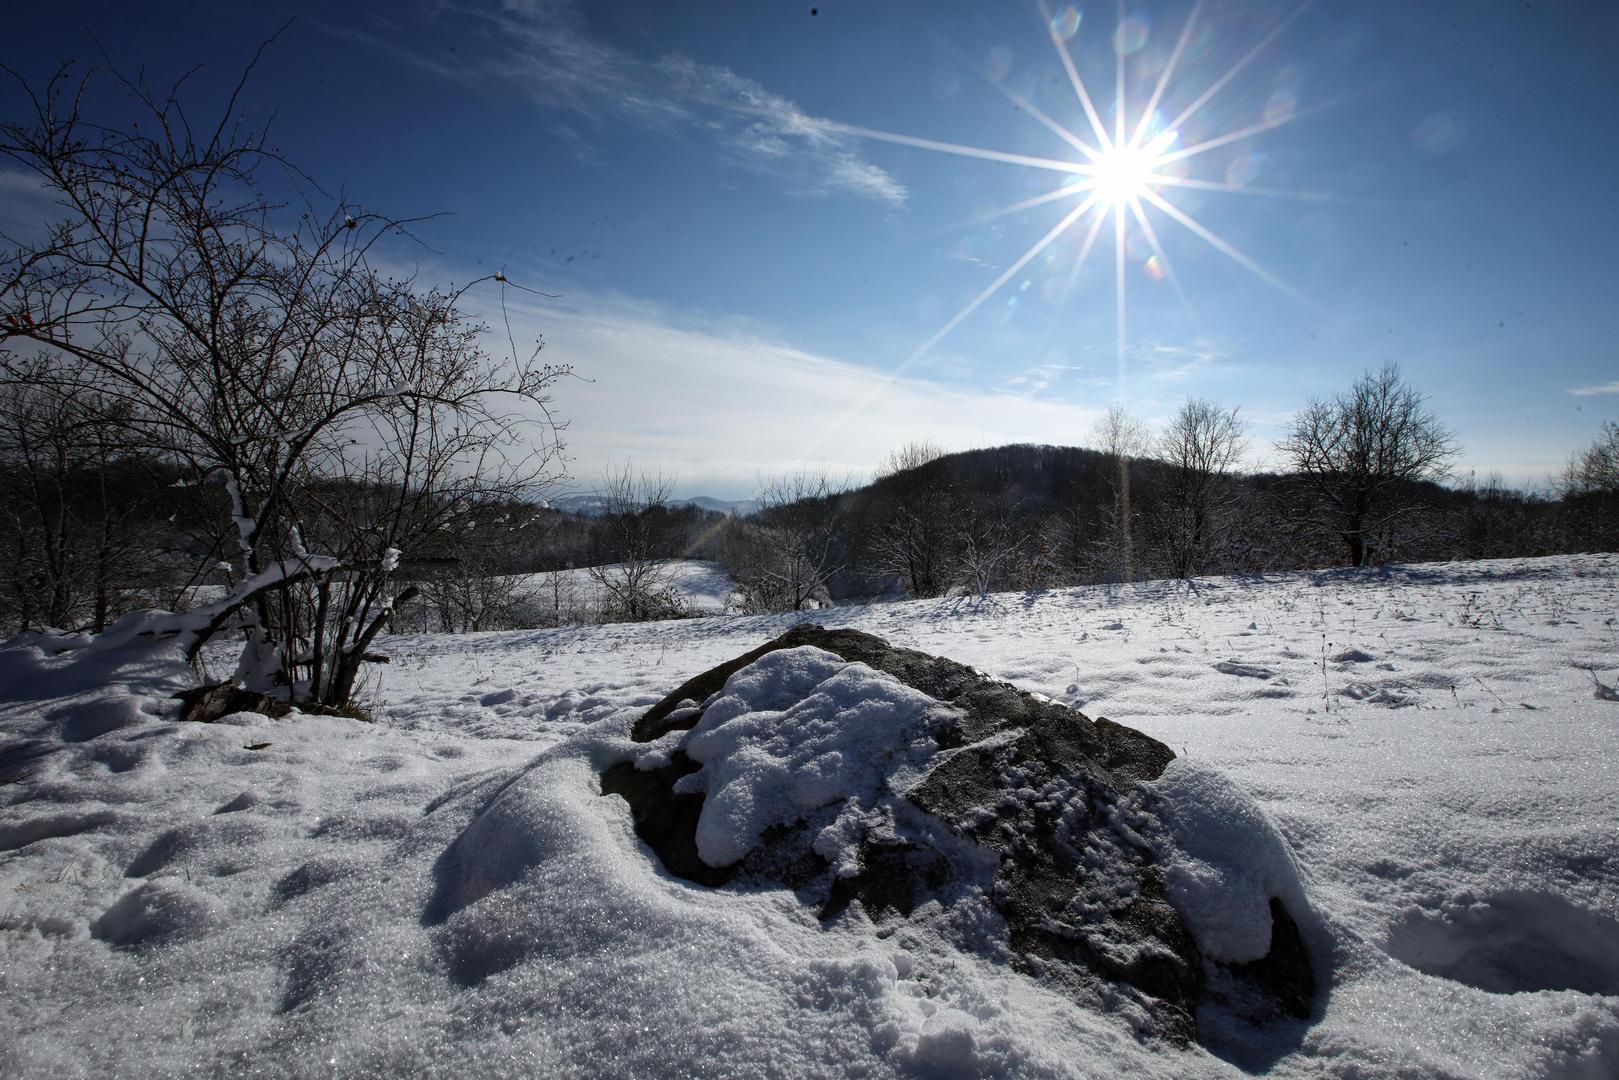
[[990, 800]]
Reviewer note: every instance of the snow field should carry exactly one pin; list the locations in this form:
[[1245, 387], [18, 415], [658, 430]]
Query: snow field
[[446, 891]]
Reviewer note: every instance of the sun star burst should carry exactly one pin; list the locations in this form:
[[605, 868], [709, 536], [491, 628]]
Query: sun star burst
[[1120, 174]]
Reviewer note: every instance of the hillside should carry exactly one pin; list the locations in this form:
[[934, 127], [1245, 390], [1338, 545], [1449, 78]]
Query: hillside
[[1433, 743]]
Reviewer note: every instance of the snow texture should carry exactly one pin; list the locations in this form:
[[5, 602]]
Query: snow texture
[[446, 892], [795, 731], [1223, 862]]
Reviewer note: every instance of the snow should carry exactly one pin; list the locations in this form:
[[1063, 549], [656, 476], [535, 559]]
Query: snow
[[1224, 861], [1419, 761], [573, 596], [796, 731]]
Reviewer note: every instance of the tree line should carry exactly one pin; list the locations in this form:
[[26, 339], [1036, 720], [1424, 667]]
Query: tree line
[[1365, 483], [94, 527], [1368, 480]]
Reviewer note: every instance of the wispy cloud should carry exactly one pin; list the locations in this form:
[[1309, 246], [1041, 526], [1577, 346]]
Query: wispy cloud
[[958, 253], [545, 50], [1168, 362], [765, 131], [722, 403], [1592, 391], [1038, 378]]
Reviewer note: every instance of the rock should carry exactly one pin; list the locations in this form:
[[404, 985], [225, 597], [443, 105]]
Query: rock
[[205, 704], [1009, 801]]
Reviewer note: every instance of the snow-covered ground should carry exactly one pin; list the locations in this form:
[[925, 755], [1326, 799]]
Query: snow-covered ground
[[445, 892], [573, 596], [704, 588]]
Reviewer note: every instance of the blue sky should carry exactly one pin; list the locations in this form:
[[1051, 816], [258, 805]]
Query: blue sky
[[749, 280]]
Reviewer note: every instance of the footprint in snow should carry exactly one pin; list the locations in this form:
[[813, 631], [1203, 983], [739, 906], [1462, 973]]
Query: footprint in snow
[[1395, 697], [1246, 671], [1511, 942]]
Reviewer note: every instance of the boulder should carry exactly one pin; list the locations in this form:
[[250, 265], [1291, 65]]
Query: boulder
[[857, 772], [205, 704]]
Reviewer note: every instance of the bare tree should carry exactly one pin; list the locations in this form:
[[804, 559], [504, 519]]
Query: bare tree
[[1589, 488], [1357, 458], [632, 566], [1124, 439], [1596, 468], [917, 520], [475, 585], [793, 543], [74, 545], [560, 594], [1201, 445], [989, 541], [334, 416]]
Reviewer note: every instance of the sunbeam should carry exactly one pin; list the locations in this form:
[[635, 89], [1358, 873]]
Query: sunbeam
[[1244, 189], [1039, 114], [1073, 74], [1269, 124], [1168, 267], [1120, 177], [1226, 249], [1054, 164], [1248, 58], [995, 286], [1169, 71], [1017, 207]]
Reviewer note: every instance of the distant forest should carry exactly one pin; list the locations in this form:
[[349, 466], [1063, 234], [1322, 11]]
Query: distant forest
[[91, 530]]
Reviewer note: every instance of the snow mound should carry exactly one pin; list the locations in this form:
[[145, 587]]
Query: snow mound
[[797, 730], [158, 912], [1223, 860], [846, 769]]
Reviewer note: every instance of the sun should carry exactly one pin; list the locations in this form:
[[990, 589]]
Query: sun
[[1124, 172], [1122, 175]]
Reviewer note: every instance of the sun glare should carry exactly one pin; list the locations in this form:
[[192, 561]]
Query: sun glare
[[1120, 174]]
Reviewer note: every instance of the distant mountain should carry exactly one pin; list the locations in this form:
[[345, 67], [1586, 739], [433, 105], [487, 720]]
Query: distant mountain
[[592, 505], [740, 507], [589, 505]]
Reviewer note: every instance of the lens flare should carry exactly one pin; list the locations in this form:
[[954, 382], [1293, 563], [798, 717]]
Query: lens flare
[[1123, 171], [1065, 24], [998, 64], [1131, 35]]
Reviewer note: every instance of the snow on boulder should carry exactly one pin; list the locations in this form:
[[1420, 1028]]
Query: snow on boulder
[[888, 784], [1231, 875]]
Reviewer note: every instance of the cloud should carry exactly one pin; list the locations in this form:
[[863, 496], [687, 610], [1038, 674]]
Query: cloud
[[544, 49], [1037, 378], [723, 404], [27, 206], [1592, 391], [766, 131], [958, 253], [1174, 362]]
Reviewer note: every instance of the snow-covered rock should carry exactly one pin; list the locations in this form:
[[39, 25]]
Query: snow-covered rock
[[855, 772]]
